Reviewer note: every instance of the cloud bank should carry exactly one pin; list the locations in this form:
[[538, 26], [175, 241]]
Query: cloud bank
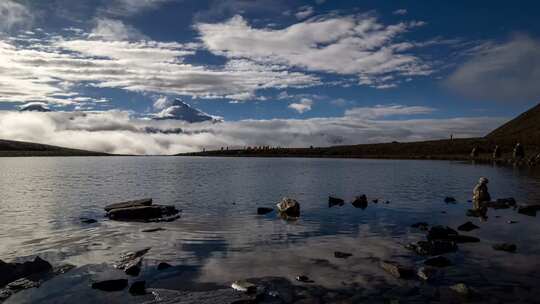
[[119, 132]]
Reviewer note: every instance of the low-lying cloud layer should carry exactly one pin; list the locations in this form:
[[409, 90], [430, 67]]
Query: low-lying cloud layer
[[118, 132]]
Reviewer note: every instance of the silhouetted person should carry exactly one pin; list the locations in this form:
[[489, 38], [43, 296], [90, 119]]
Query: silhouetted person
[[496, 152], [519, 152]]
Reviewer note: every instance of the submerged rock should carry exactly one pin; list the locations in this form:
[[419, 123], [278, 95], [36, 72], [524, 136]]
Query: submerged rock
[[289, 207], [505, 247], [360, 202], [529, 210], [304, 279], [439, 261], [86, 220], [468, 226], [264, 210], [138, 288], [335, 201], [501, 203], [111, 285], [433, 247], [144, 213], [396, 270], [153, 229], [449, 200], [342, 255], [21, 284], [449, 234], [129, 204]]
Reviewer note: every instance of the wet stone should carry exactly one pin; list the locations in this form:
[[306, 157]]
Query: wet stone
[[427, 273], [86, 220], [153, 229], [289, 207], [335, 201], [468, 226], [449, 200], [439, 261], [396, 270], [111, 285], [360, 202], [304, 279], [163, 266], [264, 210], [138, 288], [342, 255], [21, 284], [430, 248]]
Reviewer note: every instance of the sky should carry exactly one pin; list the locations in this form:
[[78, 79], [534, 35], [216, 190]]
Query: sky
[[280, 73]]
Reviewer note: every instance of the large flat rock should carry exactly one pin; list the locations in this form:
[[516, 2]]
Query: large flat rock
[[129, 204]]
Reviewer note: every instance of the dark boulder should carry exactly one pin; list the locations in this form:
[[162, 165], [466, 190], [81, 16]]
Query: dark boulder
[[142, 213], [360, 202], [441, 233], [427, 273], [10, 272], [304, 279], [439, 261], [111, 285], [501, 203], [468, 226], [505, 247], [163, 266], [86, 220], [335, 201], [264, 210], [421, 225], [396, 270], [138, 288], [342, 255], [431, 248], [129, 204], [131, 262]]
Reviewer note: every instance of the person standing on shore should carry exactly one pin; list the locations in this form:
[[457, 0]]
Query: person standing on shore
[[519, 152], [496, 152], [480, 191]]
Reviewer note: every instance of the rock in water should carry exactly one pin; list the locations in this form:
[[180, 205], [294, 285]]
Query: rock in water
[[396, 270], [505, 247], [334, 201], [86, 220], [421, 225], [289, 207], [427, 273], [441, 233], [304, 279], [468, 226], [10, 272], [360, 202], [163, 266], [264, 210], [431, 248], [529, 210], [461, 289], [21, 284], [342, 255], [138, 288], [142, 213], [439, 261], [128, 204], [449, 200], [131, 262], [111, 285], [153, 229]]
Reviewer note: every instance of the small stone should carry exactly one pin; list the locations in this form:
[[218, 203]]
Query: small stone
[[304, 279], [86, 220], [511, 222], [244, 286], [360, 202], [449, 200], [335, 201], [264, 210], [427, 273], [111, 285], [133, 268], [505, 247], [138, 288], [468, 226], [439, 261], [153, 229], [387, 202], [529, 210], [375, 201], [430, 248], [342, 255], [461, 289], [21, 284], [441, 233], [396, 270], [163, 266]]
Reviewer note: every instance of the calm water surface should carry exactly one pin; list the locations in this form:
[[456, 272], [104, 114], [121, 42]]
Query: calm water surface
[[219, 238]]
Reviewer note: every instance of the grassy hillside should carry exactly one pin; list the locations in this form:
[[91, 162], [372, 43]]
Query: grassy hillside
[[9, 148], [525, 128]]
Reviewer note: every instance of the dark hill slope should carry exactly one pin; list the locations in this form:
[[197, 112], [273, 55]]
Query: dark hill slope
[[525, 128], [19, 148]]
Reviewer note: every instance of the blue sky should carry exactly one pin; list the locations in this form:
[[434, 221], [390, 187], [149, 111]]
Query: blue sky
[[266, 60]]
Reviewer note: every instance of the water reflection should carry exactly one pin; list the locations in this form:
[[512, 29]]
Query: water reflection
[[219, 237]]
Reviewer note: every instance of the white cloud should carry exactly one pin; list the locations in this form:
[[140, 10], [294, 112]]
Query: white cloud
[[118, 132], [348, 45], [400, 12], [162, 102], [50, 69], [110, 29], [304, 12], [131, 7], [12, 15], [508, 71], [381, 111], [303, 106]]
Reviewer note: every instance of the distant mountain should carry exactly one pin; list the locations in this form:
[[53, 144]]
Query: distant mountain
[[180, 110], [525, 128], [34, 107]]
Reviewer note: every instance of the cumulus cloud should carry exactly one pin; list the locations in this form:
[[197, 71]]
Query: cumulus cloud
[[12, 15], [400, 12], [508, 71], [303, 106], [110, 29], [346, 45], [120, 132]]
